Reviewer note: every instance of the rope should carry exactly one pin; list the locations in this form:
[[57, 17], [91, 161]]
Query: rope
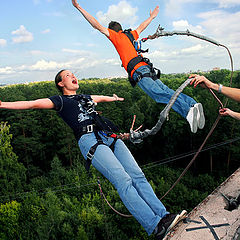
[[184, 155], [161, 33], [137, 136], [43, 191], [102, 194], [195, 156], [209, 134]]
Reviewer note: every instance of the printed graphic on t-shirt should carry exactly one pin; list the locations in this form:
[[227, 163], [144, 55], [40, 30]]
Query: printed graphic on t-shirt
[[83, 115]]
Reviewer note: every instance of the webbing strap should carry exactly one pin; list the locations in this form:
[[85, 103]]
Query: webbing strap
[[93, 149], [131, 66], [133, 62]]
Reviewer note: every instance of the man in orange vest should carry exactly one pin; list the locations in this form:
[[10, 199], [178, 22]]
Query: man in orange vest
[[141, 71]]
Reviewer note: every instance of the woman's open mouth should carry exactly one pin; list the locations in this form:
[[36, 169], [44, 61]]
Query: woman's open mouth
[[74, 82]]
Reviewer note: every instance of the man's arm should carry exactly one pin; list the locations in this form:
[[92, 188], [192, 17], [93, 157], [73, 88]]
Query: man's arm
[[144, 24], [44, 103], [99, 98], [95, 24], [233, 93]]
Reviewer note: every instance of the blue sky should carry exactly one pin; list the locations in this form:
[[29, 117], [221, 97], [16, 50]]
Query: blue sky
[[40, 37]]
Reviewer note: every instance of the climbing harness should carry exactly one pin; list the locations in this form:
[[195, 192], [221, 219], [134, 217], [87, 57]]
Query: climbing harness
[[92, 150], [154, 72], [137, 44], [97, 124]]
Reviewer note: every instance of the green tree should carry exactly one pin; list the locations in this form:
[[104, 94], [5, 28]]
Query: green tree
[[9, 217], [12, 173]]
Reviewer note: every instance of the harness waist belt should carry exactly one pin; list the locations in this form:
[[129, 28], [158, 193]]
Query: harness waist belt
[[133, 62], [131, 65]]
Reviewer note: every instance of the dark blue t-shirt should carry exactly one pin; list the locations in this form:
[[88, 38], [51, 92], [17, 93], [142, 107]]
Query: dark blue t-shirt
[[71, 109]]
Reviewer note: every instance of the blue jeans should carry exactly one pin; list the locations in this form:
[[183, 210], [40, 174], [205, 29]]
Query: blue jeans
[[121, 169], [161, 93]]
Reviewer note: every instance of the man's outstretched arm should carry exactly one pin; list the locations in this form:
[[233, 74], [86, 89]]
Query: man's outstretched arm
[[144, 24], [95, 24]]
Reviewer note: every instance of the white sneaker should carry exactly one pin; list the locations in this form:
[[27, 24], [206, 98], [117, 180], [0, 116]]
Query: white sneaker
[[192, 119], [200, 115]]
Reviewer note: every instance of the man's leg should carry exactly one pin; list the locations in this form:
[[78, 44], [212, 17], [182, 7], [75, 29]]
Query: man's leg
[[161, 93], [186, 106]]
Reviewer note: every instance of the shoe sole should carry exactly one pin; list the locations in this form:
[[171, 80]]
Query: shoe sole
[[201, 120], [194, 121], [177, 219]]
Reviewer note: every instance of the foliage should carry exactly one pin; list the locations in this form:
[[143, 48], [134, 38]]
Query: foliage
[[12, 173], [45, 191], [9, 216]]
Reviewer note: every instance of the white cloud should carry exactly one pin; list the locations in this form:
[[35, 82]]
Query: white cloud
[[72, 51], [194, 49], [22, 35], [228, 3], [3, 42], [112, 61], [184, 25], [224, 26], [39, 1], [37, 52], [123, 13], [6, 70], [43, 65], [177, 6], [36, 2], [46, 31]]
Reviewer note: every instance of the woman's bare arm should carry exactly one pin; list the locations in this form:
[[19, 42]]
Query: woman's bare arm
[[100, 98], [44, 103]]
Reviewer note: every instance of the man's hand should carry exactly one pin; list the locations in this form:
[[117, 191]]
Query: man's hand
[[155, 12], [75, 3], [225, 112], [200, 80], [144, 24], [229, 112]]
